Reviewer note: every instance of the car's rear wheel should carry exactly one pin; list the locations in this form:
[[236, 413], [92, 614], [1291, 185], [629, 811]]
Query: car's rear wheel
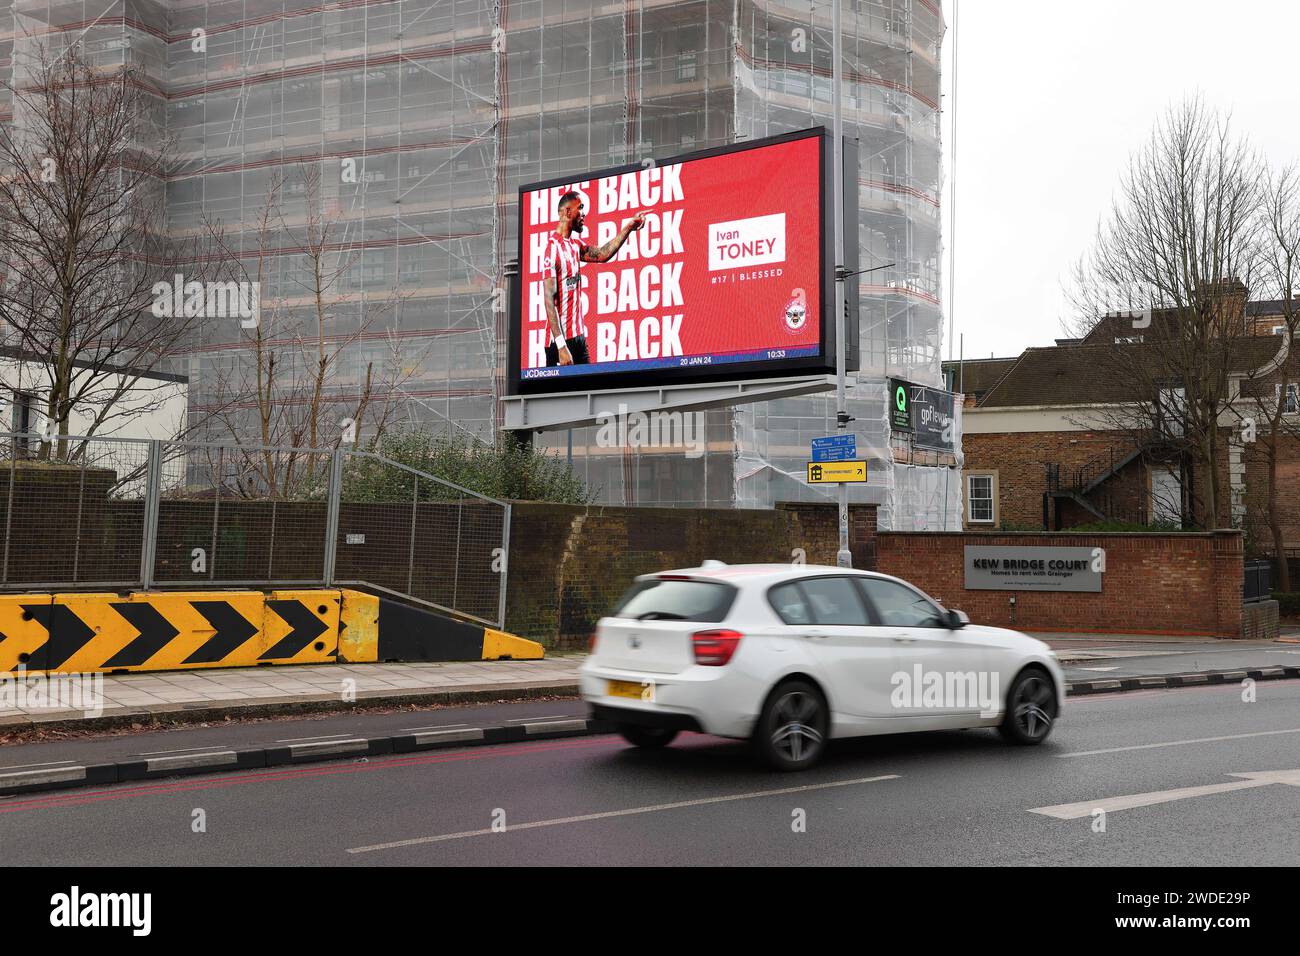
[[1031, 708], [793, 726], [648, 738]]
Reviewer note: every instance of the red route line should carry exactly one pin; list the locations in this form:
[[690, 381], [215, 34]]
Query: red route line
[[165, 789]]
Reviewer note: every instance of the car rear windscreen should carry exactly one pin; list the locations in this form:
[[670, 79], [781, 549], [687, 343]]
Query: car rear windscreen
[[705, 601]]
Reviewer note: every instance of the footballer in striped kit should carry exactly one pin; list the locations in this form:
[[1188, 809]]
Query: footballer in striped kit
[[565, 254]]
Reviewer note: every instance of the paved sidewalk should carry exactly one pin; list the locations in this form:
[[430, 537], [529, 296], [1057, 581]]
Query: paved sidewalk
[[260, 688], [218, 692]]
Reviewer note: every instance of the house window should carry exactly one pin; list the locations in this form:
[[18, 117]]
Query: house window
[[1292, 405], [979, 499], [24, 407], [24, 423], [1172, 412], [1166, 495]]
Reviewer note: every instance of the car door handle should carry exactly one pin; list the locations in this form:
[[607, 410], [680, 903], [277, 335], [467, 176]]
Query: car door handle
[[904, 639], [814, 632]]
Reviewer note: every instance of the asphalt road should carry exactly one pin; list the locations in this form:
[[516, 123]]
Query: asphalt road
[[952, 798], [237, 734], [1134, 659]]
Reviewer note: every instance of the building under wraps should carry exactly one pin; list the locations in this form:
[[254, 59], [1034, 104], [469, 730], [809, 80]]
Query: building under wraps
[[449, 105]]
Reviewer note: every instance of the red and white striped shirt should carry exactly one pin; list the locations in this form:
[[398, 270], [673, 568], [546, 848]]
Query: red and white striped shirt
[[562, 262]]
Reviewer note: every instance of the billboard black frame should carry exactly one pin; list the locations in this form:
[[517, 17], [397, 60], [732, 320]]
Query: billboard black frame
[[823, 362]]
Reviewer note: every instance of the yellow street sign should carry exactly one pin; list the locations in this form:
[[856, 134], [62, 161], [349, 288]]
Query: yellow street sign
[[836, 472]]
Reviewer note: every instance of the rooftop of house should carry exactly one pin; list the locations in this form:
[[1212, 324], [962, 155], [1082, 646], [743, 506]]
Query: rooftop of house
[[1102, 372], [1119, 353], [977, 376]]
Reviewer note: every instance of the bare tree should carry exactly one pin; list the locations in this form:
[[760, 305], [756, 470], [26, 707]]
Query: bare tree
[[1265, 391], [82, 244], [289, 382], [1169, 269]]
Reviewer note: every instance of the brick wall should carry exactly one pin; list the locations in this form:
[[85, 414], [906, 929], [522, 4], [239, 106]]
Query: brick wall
[[1154, 583], [1260, 621], [1021, 460], [1256, 458], [569, 564]]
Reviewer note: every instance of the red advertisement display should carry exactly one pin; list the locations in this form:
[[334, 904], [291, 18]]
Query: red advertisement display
[[708, 266]]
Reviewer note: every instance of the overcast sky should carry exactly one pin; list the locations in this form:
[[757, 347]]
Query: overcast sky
[[1051, 100]]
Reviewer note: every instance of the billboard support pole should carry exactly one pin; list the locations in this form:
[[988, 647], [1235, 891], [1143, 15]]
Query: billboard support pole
[[844, 557]]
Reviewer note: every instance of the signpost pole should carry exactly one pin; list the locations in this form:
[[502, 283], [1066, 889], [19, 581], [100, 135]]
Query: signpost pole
[[844, 557]]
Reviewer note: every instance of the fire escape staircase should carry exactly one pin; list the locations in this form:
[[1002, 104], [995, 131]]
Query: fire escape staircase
[[1078, 483]]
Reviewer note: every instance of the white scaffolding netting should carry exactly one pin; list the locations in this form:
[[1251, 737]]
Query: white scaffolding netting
[[446, 108]]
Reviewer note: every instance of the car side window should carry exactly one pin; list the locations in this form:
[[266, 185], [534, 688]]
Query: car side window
[[789, 604], [834, 601], [899, 606]]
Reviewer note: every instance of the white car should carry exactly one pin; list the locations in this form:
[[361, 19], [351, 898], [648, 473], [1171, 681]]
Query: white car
[[790, 656]]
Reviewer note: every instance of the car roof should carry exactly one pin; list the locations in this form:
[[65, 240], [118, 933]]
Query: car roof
[[758, 574]]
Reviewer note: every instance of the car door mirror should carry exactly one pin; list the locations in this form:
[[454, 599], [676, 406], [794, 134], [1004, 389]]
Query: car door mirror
[[957, 619]]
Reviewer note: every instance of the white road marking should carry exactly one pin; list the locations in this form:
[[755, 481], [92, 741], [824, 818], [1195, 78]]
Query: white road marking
[[20, 766], [518, 720], [294, 740], [182, 750], [1263, 778], [620, 813], [1115, 668], [1179, 743]]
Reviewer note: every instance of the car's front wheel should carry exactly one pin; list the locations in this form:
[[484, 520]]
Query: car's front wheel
[[793, 726], [1031, 708], [648, 738]]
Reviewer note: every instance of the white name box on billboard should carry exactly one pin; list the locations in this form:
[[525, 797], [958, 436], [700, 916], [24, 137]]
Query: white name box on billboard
[[1034, 569]]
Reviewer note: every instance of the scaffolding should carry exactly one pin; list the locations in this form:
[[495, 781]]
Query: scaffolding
[[447, 106]]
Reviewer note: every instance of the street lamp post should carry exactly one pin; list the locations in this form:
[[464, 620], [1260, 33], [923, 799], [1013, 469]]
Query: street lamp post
[[843, 558]]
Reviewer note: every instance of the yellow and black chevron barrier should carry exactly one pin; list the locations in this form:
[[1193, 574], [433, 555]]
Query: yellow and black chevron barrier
[[179, 630]]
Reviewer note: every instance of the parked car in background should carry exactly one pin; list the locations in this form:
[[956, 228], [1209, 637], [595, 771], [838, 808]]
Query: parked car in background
[[791, 656]]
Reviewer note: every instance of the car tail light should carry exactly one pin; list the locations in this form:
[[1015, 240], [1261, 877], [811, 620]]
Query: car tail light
[[591, 643], [716, 647]]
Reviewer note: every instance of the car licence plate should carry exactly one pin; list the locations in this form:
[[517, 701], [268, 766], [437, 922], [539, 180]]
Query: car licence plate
[[633, 689]]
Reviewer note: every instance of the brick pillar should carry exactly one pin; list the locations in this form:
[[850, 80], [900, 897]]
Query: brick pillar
[[862, 536], [1229, 577]]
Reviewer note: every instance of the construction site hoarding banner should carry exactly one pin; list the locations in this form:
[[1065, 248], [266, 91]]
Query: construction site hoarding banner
[[710, 266], [900, 405], [932, 418]]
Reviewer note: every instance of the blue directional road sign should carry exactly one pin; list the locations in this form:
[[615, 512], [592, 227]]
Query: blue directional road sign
[[835, 448]]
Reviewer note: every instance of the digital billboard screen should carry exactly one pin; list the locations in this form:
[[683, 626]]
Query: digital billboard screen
[[703, 267]]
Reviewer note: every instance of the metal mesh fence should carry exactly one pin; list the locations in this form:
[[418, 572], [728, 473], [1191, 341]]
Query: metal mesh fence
[[242, 515], [414, 534], [131, 513], [72, 511]]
